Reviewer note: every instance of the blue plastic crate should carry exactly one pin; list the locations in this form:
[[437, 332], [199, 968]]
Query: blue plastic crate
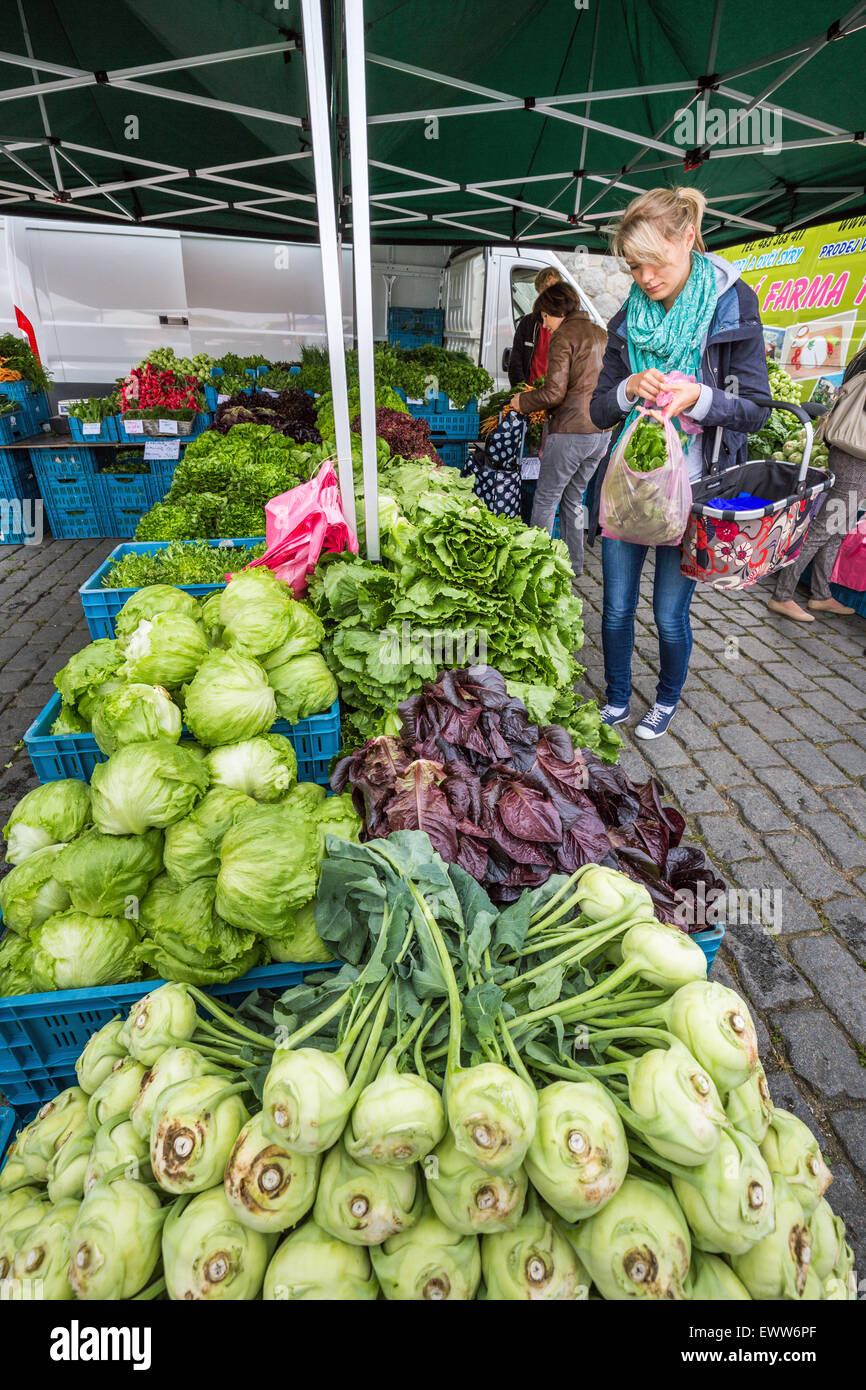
[[16, 473], [410, 328], [124, 521], [101, 606], [71, 490], [106, 434], [315, 741], [414, 340], [8, 1127], [454, 452], [15, 426], [211, 396], [445, 419], [18, 489], [74, 499], [709, 942], [63, 461], [161, 475], [40, 410], [33, 403], [41, 1035], [127, 491], [79, 523]]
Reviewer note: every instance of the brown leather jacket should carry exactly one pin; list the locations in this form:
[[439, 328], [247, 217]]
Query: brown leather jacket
[[576, 352]]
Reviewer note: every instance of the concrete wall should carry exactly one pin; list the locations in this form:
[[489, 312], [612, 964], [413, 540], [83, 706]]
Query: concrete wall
[[602, 278]]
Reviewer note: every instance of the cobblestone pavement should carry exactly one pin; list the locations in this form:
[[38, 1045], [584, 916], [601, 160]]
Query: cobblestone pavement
[[766, 758]]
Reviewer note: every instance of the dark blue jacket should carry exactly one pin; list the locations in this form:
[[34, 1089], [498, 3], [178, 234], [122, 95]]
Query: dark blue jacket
[[733, 364]]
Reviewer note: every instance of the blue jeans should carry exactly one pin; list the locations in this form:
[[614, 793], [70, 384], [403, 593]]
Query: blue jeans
[[622, 564]]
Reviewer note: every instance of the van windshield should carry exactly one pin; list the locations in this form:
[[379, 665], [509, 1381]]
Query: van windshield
[[523, 291]]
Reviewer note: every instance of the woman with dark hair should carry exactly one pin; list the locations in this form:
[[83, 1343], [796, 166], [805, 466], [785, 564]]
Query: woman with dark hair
[[573, 447]]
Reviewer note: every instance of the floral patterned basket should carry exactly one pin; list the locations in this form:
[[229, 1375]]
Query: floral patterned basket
[[733, 549]]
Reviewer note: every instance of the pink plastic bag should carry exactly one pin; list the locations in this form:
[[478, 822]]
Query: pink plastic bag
[[664, 398], [302, 523], [850, 567], [646, 508]]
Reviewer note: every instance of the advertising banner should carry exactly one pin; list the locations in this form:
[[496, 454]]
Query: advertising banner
[[811, 288]]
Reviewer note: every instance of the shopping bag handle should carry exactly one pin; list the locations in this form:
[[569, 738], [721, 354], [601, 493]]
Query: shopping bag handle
[[804, 419]]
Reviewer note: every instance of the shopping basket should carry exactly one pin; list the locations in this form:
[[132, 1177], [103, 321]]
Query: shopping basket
[[732, 548]]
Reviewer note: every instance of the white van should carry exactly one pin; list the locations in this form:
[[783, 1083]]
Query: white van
[[95, 299]]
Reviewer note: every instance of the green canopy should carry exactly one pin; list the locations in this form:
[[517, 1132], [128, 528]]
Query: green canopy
[[532, 122]]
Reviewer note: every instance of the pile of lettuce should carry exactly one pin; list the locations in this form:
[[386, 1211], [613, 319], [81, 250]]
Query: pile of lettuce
[[171, 864], [229, 667], [459, 586], [513, 803], [222, 483], [194, 852]]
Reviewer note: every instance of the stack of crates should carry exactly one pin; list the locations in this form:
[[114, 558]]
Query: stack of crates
[[81, 501]]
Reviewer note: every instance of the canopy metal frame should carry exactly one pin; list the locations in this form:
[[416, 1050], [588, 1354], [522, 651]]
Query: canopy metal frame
[[99, 198]]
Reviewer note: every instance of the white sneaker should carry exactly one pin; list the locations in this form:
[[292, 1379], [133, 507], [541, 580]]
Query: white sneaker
[[656, 720]]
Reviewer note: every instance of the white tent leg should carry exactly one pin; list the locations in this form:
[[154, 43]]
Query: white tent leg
[[362, 261], [314, 62]]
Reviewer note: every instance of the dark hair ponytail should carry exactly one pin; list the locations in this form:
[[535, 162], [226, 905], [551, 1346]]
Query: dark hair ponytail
[[557, 300]]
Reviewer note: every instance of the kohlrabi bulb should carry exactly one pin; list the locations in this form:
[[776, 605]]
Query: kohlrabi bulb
[[306, 1100], [101, 1051], [115, 1243], [192, 1132], [164, 1018], [269, 1188], [429, 1263], [208, 1254], [365, 1203], [397, 1119], [579, 1155], [467, 1198], [492, 1114]]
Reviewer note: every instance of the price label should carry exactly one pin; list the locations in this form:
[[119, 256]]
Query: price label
[[167, 426], [91, 427], [162, 449], [134, 426], [221, 398]]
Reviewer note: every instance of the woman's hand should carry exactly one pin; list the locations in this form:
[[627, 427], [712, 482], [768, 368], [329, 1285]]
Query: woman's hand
[[685, 394], [515, 401], [646, 384]]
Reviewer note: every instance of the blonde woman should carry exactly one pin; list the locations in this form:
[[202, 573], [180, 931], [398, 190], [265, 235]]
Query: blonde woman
[[687, 311]]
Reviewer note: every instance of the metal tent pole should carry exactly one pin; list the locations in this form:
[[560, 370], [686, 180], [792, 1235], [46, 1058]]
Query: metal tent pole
[[362, 260], [314, 62]]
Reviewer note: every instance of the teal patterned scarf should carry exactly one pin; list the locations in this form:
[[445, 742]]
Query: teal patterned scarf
[[672, 341]]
